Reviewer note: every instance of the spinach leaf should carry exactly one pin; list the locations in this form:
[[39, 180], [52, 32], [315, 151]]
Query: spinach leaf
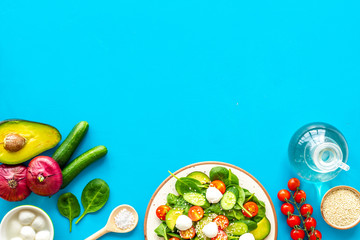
[[232, 179], [174, 235], [234, 215], [219, 173], [214, 208], [172, 199], [251, 224], [94, 196], [162, 230], [69, 207], [185, 184], [260, 215]]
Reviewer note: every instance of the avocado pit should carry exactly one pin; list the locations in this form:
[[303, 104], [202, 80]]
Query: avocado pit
[[14, 142]]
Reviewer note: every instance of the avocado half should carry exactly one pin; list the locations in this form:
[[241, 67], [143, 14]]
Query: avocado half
[[21, 140]]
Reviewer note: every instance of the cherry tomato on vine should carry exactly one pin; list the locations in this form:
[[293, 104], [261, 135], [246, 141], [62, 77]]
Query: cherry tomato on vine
[[221, 221], [297, 234], [305, 209], [221, 236], [174, 238], [309, 223], [283, 195], [293, 184], [293, 221], [252, 208], [315, 235], [287, 207], [220, 185], [187, 234], [300, 196], [161, 211], [196, 213]]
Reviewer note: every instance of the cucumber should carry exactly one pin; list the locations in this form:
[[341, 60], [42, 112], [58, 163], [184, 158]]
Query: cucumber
[[64, 152], [196, 199], [80, 163], [229, 199], [172, 216], [237, 228]]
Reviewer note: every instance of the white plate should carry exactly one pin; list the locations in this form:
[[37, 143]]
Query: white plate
[[168, 186]]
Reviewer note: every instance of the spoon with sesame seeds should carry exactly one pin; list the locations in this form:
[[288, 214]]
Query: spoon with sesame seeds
[[123, 219]]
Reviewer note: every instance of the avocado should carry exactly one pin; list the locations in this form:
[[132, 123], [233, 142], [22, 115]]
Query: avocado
[[172, 216], [200, 176], [262, 230], [21, 140]]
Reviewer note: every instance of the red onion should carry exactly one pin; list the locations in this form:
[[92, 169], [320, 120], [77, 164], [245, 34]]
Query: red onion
[[13, 182], [44, 176]]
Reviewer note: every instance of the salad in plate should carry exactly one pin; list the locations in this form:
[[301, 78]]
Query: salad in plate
[[212, 207]]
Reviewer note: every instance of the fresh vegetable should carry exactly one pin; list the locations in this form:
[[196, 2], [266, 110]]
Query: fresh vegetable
[[80, 163], [293, 221], [237, 229], [21, 140], [44, 176], [300, 196], [297, 234], [174, 238], [222, 222], [185, 184], [225, 175], [315, 235], [310, 223], [172, 216], [200, 176], [284, 195], [221, 236], [69, 207], [94, 196], [219, 185], [293, 184], [196, 213], [13, 185], [287, 209], [230, 198], [161, 212], [263, 229], [306, 210], [196, 199], [251, 208], [64, 152], [188, 234]]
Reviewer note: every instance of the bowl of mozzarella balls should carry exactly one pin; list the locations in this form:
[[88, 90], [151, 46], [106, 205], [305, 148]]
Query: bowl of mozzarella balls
[[26, 222]]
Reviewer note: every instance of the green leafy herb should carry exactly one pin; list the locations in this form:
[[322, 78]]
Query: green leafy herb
[[219, 173], [162, 230], [214, 208], [69, 207]]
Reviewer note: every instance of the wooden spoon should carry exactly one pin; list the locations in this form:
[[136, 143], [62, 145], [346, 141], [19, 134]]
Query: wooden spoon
[[111, 226]]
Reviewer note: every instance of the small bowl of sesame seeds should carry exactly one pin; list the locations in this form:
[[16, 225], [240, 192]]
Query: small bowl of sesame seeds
[[340, 207]]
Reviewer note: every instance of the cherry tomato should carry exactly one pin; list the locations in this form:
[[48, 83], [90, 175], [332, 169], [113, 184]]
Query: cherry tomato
[[293, 184], [293, 221], [220, 185], [297, 234], [283, 195], [161, 211], [196, 213], [174, 238], [252, 208], [221, 236], [315, 235], [300, 196], [187, 234], [309, 223], [305, 209], [221, 221], [287, 207]]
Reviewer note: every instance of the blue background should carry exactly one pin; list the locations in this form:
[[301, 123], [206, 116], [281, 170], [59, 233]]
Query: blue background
[[165, 84]]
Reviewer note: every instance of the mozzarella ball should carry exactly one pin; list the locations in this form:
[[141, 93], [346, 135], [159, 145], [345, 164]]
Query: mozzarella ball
[[247, 236], [38, 223], [26, 217], [16, 238], [27, 233], [183, 223], [43, 235], [213, 195], [211, 230], [14, 228]]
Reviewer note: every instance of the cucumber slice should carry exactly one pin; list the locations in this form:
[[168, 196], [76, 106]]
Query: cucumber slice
[[172, 216], [229, 199], [200, 176], [237, 228], [196, 199]]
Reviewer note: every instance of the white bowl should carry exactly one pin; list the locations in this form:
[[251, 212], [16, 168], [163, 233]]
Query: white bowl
[[37, 211]]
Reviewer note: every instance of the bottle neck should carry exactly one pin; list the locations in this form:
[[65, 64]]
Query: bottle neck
[[328, 157]]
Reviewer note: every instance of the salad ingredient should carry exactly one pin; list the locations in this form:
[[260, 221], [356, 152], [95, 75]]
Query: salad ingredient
[[183, 223], [284, 195], [300, 196], [251, 208], [161, 212], [196, 213], [315, 235], [15, 227], [310, 223], [200, 176], [287, 208], [196, 199], [221, 236], [184, 185], [22, 140], [293, 221], [13, 182], [81, 162], [213, 195], [306, 210], [201, 224], [27, 233], [247, 236], [172, 216], [94, 196], [68, 206], [26, 217], [229, 199], [219, 185], [263, 229], [297, 234], [221, 221], [210, 230], [42, 235], [252, 225], [162, 230], [124, 219], [64, 152], [174, 238], [237, 228], [225, 175], [293, 184], [44, 176], [188, 234], [38, 224]]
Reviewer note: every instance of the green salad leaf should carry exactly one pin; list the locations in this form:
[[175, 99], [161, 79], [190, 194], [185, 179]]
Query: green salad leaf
[[69, 206], [162, 230]]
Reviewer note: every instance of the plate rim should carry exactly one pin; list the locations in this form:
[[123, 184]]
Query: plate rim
[[205, 163]]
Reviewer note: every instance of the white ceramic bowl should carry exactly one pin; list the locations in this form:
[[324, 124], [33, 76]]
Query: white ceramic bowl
[[37, 211]]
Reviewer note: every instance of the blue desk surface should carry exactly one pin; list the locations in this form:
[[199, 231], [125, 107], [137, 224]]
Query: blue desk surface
[[165, 84]]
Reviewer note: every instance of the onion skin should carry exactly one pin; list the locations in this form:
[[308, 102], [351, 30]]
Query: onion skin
[[44, 176], [13, 185]]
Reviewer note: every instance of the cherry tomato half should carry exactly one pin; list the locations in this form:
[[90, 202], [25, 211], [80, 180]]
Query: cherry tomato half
[[283, 195], [220, 185], [306, 209], [315, 235], [196, 213], [174, 238], [300, 196], [293, 184], [187, 234], [252, 208], [297, 234], [309, 223], [221, 236], [161, 211], [287, 207], [221, 221], [293, 221]]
